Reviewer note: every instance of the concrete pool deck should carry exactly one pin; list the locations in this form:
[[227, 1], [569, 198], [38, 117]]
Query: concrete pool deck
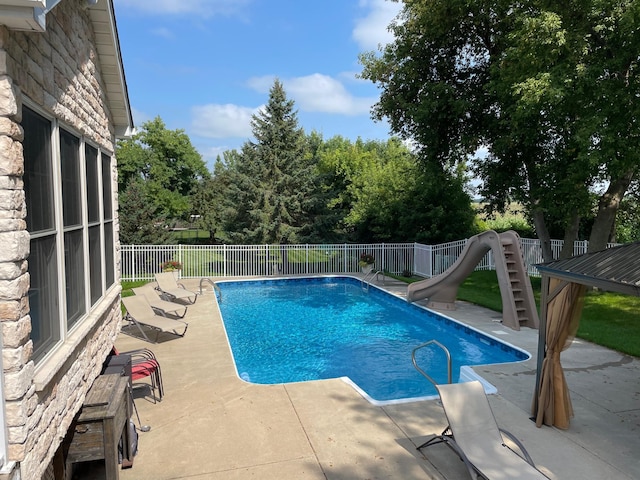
[[212, 425]]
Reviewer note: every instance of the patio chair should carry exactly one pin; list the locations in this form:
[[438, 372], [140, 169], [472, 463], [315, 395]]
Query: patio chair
[[170, 288], [158, 304], [144, 364], [140, 314], [475, 436]]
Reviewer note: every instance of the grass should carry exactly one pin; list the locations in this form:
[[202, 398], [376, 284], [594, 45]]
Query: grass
[[128, 285], [608, 319], [611, 320]]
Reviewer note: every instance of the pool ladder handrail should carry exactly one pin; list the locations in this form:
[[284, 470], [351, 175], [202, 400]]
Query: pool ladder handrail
[[425, 374], [366, 280], [215, 286]]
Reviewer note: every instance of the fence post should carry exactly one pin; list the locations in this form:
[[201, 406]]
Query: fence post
[[344, 256], [430, 252], [224, 259]]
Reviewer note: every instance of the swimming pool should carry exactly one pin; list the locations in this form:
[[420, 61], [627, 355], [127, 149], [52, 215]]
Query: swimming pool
[[293, 330]]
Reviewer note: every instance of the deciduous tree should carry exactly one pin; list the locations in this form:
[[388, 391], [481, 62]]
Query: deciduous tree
[[548, 88], [384, 194], [166, 163]]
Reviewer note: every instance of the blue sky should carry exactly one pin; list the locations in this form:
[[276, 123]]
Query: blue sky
[[206, 66]]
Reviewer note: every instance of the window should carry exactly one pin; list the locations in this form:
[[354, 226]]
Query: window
[[93, 209], [72, 215], [107, 213], [67, 186], [41, 223]]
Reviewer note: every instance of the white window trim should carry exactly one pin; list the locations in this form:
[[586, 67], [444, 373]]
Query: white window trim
[[60, 353]]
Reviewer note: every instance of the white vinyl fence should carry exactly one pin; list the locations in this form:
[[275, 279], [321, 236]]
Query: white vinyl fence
[[141, 262]]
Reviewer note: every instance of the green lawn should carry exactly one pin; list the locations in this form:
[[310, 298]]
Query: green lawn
[[128, 285], [608, 319], [188, 235]]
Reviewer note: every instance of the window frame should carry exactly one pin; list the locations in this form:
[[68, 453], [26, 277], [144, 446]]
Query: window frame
[[73, 330]]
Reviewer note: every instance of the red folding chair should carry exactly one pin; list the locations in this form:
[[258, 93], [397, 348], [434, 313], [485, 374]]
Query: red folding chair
[[145, 364]]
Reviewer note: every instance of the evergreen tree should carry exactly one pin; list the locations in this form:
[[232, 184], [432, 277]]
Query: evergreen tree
[[272, 178]]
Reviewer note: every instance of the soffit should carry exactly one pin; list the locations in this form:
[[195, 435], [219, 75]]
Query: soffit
[[108, 46]]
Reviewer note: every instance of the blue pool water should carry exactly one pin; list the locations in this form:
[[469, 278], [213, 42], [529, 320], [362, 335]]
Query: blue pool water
[[292, 330]]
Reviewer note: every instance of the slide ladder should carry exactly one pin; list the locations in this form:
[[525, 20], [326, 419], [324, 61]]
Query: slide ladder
[[522, 304]]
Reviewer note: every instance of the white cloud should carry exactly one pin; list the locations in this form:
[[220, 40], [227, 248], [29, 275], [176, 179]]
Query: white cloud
[[317, 93], [311, 93], [222, 121], [371, 31], [321, 93], [203, 8]]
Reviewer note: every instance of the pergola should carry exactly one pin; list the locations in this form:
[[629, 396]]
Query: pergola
[[564, 283]]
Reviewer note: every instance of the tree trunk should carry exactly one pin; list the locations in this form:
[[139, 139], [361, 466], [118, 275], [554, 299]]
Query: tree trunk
[[570, 236], [543, 235], [607, 210]]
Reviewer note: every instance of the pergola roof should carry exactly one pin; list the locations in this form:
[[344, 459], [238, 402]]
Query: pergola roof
[[615, 269]]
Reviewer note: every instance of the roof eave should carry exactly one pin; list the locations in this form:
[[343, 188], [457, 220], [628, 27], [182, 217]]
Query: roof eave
[[107, 41], [30, 15]]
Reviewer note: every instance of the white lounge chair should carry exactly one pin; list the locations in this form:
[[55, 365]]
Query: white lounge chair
[[475, 436], [140, 313], [158, 304], [170, 288]]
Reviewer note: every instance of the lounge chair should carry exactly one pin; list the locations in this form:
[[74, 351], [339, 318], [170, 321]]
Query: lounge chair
[[474, 435], [140, 313], [158, 304], [170, 288]]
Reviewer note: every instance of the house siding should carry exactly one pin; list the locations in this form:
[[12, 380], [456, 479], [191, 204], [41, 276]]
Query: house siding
[[59, 71]]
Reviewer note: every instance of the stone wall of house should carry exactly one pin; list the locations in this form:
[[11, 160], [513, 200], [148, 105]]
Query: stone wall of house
[[59, 71]]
